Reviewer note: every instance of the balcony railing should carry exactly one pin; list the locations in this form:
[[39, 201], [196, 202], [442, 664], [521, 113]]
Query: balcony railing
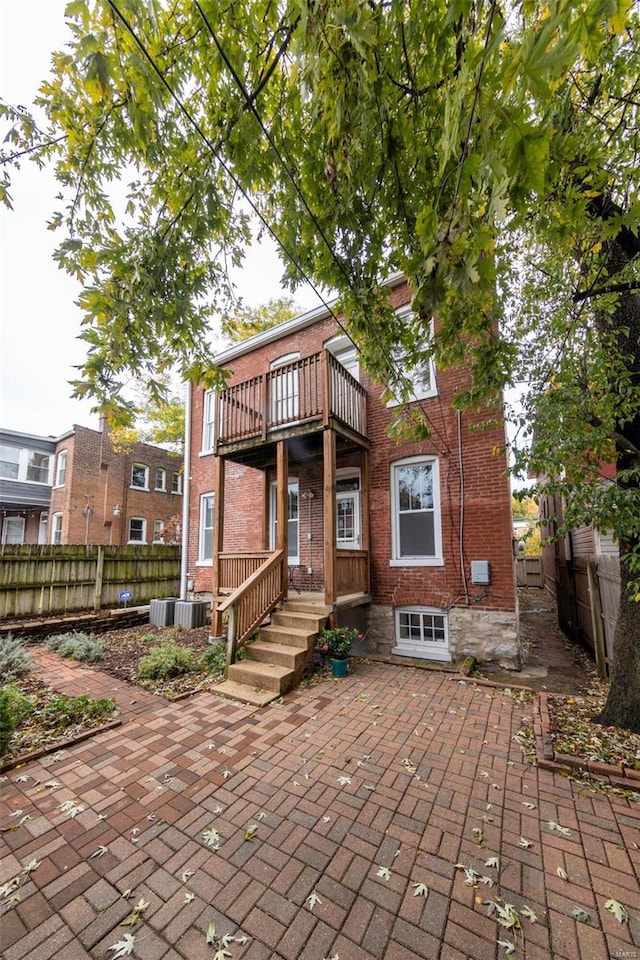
[[314, 388]]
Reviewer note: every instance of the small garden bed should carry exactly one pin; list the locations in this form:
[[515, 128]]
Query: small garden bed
[[574, 733]]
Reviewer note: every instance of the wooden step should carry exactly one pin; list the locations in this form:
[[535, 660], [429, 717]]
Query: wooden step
[[294, 658], [289, 636], [264, 676]]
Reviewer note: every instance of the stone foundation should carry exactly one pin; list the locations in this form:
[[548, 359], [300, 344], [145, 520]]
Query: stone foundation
[[486, 635]]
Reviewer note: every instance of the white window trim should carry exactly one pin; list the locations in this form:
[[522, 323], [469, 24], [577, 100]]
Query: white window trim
[[144, 531], [163, 488], [418, 394], [177, 492], [55, 529], [158, 539], [340, 345], [424, 649], [24, 455], [273, 494], [351, 473], [10, 521], [396, 560], [134, 486], [65, 455], [203, 561], [208, 422]]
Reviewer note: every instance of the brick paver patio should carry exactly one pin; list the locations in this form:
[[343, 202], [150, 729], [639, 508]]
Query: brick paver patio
[[393, 768]]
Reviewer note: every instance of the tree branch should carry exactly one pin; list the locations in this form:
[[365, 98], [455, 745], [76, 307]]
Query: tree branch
[[631, 287]]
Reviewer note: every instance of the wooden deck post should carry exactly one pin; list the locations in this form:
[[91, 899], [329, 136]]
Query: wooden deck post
[[330, 533], [218, 541], [282, 507]]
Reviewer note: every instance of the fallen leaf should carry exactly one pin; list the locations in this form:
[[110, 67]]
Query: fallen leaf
[[124, 947], [525, 843], [617, 909], [529, 806], [344, 781], [251, 832], [529, 914], [211, 932], [212, 838], [312, 899], [556, 828], [580, 915], [100, 852], [508, 946], [420, 889], [493, 862], [562, 873], [31, 866], [384, 872], [189, 897], [185, 876]]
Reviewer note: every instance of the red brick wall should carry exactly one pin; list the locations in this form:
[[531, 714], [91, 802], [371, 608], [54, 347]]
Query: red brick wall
[[98, 478], [486, 533]]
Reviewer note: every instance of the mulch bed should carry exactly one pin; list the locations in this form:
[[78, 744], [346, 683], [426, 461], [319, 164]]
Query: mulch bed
[[574, 734]]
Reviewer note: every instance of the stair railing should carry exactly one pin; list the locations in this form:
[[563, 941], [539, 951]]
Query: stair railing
[[250, 603]]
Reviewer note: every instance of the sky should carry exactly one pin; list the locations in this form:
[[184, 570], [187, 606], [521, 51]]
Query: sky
[[39, 322]]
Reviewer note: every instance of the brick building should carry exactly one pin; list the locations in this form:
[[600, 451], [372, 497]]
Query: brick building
[[86, 492], [412, 540]]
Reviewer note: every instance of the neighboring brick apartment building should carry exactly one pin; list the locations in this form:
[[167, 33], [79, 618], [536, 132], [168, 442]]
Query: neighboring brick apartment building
[[422, 531], [86, 492]]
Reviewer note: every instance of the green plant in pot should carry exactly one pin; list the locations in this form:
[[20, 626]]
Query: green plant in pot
[[336, 643]]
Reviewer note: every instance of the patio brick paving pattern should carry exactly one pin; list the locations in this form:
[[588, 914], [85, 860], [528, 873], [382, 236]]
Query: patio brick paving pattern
[[429, 758]]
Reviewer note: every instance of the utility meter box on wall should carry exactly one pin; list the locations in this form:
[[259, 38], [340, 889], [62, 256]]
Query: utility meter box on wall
[[480, 572]]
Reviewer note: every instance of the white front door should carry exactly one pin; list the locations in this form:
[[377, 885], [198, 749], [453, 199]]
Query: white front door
[[293, 513]]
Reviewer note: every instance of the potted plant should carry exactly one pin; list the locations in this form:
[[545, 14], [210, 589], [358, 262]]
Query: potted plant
[[335, 643]]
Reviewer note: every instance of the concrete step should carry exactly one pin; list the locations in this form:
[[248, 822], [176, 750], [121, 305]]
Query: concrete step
[[299, 619], [263, 676], [244, 693], [294, 658], [288, 636], [300, 605]]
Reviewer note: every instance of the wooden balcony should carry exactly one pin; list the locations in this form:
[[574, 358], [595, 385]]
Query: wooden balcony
[[300, 397]]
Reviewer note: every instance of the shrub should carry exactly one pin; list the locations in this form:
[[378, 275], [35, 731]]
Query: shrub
[[214, 660], [168, 660], [14, 661], [77, 646], [14, 708], [337, 642], [64, 711]]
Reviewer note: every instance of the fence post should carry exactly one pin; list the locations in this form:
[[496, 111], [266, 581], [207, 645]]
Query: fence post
[[596, 621], [97, 597]]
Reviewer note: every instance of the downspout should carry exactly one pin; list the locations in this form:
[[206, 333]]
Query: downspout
[[186, 484], [463, 574]]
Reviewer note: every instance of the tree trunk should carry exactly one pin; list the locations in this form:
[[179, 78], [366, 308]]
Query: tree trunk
[[622, 708]]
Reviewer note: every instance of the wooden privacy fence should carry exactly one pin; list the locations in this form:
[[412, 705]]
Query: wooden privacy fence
[[38, 580], [596, 586], [529, 571]]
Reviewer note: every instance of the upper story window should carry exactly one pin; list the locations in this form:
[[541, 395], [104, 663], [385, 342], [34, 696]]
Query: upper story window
[[422, 377], [208, 421], [61, 468], [158, 531], [416, 528], [19, 463], [345, 353], [176, 483], [140, 476], [284, 388], [205, 540], [161, 479]]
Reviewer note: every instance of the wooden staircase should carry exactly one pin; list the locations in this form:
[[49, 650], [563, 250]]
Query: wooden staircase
[[276, 660]]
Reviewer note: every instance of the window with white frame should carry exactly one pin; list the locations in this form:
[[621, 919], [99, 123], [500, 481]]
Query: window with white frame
[[20, 463], [176, 483], [208, 421], [43, 523], [13, 530], [415, 498], [161, 479], [61, 468], [137, 530], [344, 350], [348, 509], [158, 531], [285, 395], [293, 547], [140, 476], [421, 377], [56, 528], [205, 541], [422, 632]]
